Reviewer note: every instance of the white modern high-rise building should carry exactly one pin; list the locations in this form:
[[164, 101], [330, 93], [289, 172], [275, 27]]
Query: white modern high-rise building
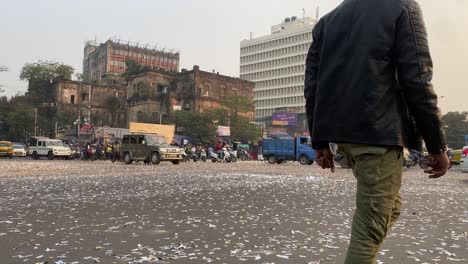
[[276, 63]]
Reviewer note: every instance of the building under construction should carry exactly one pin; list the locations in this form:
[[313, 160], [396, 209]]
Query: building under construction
[[108, 59]]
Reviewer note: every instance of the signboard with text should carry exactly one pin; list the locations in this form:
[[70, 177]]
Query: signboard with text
[[224, 131], [284, 119]]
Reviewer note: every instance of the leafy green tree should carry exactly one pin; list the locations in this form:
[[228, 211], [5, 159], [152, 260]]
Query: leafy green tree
[[41, 76], [113, 104], [230, 115], [237, 104], [133, 67], [199, 126], [19, 122], [46, 70], [456, 127], [245, 131]]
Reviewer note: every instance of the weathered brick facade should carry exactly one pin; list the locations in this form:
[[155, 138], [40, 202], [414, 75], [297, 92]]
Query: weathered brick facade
[[158, 94], [72, 101]]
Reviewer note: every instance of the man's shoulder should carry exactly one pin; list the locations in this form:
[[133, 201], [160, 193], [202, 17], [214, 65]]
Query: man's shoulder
[[409, 4]]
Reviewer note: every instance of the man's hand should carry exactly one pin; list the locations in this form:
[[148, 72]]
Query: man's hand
[[325, 159], [439, 164]]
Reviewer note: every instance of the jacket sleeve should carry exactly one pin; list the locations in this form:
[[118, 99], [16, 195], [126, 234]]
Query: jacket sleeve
[[310, 85], [414, 66]]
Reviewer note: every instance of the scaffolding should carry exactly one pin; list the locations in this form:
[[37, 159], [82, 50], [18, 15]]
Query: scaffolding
[[146, 47]]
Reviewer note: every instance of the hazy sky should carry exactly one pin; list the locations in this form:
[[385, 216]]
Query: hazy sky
[[207, 32]]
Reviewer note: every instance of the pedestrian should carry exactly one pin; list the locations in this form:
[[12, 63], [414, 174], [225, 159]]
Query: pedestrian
[[235, 148], [367, 87]]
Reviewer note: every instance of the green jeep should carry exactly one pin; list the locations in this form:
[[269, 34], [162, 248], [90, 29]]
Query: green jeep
[[149, 149]]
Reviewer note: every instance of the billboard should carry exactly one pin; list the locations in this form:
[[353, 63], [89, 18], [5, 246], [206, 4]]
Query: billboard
[[166, 131], [284, 119], [224, 131]]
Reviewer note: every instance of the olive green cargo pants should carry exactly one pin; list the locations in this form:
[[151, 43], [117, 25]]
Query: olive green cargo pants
[[378, 171]]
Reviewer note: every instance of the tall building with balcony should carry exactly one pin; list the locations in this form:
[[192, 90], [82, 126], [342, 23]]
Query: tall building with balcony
[[276, 64], [108, 59]]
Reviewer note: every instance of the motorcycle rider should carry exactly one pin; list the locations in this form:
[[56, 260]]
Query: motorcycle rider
[[235, 148], [219, 149]]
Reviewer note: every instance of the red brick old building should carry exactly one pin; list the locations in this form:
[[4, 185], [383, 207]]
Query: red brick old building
[[109, 58], [157, 94], [107, 104]]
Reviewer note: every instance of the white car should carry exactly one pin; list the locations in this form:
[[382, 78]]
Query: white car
[[464, 160], [19, 150], [46, 147]]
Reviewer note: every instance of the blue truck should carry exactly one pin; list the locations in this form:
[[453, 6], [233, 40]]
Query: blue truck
[[278, 150]]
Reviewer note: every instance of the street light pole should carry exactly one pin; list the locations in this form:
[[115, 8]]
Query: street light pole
[[89, 104], [35, 122]]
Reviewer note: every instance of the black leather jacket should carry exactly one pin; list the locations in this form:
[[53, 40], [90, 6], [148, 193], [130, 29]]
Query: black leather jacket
[[368, 77]]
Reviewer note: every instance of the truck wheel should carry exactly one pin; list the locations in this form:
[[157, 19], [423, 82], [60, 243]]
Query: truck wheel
[[127, 158], [176, 162], [304, 160], [272, 159], [155, 159], [50, 156], [34, 155]]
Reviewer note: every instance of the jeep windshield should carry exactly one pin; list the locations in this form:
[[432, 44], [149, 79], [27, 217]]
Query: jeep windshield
[[156, 140], [54, 143]]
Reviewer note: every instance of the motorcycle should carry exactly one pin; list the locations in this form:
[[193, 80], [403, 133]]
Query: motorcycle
[[185, 157], [226, 157], [417, 158], [233, 155], [244, 155], [115, 155], [199, 155], [100, 153], [89, 153]]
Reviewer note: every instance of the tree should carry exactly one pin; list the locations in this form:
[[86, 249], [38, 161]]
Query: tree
[[245, 131], [198, 126], [41, 76], [113, 105], [19, 121], [133, 68], [241, 128], [456, 127], [46, 70], [237, 104]]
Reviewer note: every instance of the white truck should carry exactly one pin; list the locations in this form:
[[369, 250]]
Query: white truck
[[46, 147]]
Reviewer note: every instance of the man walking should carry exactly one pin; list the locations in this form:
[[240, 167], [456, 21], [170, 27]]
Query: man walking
[[367, 88]]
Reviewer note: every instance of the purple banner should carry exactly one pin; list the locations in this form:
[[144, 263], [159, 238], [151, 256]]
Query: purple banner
[[284, 119]]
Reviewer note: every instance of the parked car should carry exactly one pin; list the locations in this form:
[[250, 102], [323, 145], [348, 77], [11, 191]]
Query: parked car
[[6, 149], [464, 160], [19, 150], [149, 149], [46, 147]]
